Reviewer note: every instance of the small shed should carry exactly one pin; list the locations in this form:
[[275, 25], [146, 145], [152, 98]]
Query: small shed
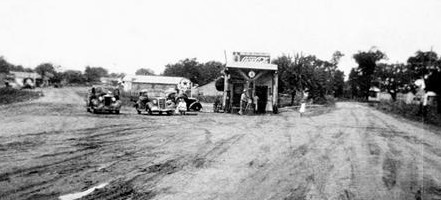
[[407, 98], [251, 71], [374, 94]]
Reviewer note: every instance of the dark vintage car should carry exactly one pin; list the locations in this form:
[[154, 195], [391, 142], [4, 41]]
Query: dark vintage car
[[103, 99], [151, 105], [193, 104]]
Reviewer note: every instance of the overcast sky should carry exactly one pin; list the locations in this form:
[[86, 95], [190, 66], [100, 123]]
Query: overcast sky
[[123, 36]]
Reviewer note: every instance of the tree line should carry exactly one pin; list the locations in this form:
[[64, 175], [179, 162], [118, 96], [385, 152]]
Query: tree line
[[199, 73], [395, 78], [307, 72]]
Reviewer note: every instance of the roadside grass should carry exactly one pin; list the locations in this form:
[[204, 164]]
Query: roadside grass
[[315, 111], [327, 105], [410, 111], [11, 95]]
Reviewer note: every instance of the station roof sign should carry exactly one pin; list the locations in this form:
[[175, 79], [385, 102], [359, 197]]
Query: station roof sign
[[251, 57], [251, 60]]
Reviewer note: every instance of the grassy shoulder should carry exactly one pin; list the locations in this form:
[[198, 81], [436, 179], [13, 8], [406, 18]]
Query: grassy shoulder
[[410, 111], [324, 106], [11, 95]]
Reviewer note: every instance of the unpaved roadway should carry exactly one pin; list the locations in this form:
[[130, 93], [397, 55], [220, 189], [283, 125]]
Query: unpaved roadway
[[53, 147]]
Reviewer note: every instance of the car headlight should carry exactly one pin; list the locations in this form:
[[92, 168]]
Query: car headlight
[[113, 99], [154, 101], [100, 98]]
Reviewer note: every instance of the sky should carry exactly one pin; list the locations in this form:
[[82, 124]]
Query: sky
[[124, 36]]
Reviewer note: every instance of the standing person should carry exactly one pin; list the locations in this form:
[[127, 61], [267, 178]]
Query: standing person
[[182, 106], [256, 103], [243, 101], [303, 103]]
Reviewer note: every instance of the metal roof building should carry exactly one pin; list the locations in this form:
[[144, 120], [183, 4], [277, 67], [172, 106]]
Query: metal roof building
[[154, 84]]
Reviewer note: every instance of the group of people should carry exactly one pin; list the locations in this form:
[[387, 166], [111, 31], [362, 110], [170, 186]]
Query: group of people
[[246, 102]]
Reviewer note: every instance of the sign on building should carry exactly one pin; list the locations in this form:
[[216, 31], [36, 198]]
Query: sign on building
[[251, 57]]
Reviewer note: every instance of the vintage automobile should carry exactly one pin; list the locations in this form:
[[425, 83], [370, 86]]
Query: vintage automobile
[[103, 99], [192, 103], [152, 105]]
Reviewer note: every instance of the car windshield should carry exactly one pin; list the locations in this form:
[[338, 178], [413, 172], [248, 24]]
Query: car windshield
[[101, 90]]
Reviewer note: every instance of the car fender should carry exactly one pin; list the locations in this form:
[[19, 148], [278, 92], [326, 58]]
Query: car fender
[[194, 104]]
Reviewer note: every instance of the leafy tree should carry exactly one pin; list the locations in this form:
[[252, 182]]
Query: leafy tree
[[45, 69], [117, 75], [354, 83], [283, 64], [423, 63], [338, 83], [300, 72], [197, 72], [73, 76], [336, 56], [393, 78], [144, 71], [367, 63], [427, 65], [4, 65], [209, 71], [188, 68], [93, 74]]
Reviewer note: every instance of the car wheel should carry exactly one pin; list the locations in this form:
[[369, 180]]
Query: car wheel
[[88, 109], [169, 112], [149, 112], [197, 107], [139, 112], [117, 112]]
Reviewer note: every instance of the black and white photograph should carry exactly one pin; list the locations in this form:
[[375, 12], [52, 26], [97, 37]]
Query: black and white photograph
[[220, 100]]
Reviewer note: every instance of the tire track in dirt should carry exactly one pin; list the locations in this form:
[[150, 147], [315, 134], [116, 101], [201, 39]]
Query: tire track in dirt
[[153, 173], [403, 162], [213, 150], [85, 146], [305, 170]]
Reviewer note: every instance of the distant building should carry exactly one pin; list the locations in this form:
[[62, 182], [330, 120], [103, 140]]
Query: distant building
[[376, 95], [407, 98], [156, 85], [20, 79], [109, 81], [209, 89]]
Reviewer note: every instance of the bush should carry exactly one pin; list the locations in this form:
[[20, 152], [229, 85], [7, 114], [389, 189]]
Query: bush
[[11, 95]]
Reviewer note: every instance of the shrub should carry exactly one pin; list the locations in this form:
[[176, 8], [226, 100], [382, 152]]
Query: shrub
[[11, 95], [411, 111]]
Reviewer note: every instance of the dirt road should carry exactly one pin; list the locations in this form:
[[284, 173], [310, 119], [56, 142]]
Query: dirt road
[[52, 147]]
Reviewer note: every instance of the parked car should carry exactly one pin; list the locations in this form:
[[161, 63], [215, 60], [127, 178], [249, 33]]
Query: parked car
[[153, 105], [160, 105], [193, 104], [103, 99]]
